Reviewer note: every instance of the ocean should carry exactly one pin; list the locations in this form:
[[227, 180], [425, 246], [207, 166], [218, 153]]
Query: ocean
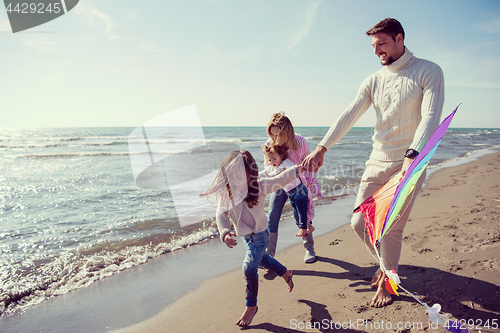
[[81, 204]]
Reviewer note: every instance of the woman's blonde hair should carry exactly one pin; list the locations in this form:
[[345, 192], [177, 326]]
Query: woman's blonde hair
[[285, 130]]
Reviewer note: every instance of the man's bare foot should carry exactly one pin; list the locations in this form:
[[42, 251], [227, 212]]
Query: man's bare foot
[[302, 233], [247, 316], [376, 279], [382, 296], [288, 279]]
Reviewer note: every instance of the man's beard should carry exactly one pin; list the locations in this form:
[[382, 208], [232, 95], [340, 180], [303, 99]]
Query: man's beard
[[387, 61]]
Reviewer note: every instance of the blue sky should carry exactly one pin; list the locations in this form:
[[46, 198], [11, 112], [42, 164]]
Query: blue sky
[[121, 63]]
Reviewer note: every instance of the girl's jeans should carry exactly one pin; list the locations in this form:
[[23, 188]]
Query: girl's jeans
[[256, 256]]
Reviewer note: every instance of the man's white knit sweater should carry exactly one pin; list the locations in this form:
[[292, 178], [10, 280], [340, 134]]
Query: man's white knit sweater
[[407, 96]]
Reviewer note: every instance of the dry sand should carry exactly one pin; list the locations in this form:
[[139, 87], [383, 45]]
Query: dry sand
[[450, 256]]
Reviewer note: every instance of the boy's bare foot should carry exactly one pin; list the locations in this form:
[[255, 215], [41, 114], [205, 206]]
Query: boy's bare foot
[[302, 233], [288, 279], [376, 279], [247, 316], [382, 296]]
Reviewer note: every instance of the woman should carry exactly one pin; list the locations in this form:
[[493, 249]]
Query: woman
[[281, 133]]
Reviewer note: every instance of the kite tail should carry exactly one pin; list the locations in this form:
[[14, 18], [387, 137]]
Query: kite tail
[[433, 312], [393, 282]]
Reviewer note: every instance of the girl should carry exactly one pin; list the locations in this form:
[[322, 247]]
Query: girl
[[240, 198], [281, 133]]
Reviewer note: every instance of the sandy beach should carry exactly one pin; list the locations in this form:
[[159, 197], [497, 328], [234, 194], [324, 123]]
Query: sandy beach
[[450, 256]]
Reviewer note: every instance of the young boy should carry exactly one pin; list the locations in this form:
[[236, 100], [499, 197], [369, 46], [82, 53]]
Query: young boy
[[277, 161]]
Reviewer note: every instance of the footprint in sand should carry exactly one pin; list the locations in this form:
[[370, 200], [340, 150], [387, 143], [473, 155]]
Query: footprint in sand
[[361, 308], [335, 242]]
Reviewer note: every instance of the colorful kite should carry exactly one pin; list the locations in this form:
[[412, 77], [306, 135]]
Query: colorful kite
[[382, 210], [375, 208]]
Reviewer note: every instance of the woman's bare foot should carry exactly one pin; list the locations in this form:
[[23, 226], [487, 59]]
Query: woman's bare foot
[[247, 316], [305, 232], [302, 233], [288, 279], [382, 296], [376, 279]]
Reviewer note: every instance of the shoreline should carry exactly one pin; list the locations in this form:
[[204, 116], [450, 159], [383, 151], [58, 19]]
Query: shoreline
[[450, 256]]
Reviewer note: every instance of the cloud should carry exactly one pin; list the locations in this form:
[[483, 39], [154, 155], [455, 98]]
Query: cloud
[[303, 31], [491, 27], [4, 23], [468, 68], [232, 56], [150, 47], [43, 42], [95, 17], [40, 42]]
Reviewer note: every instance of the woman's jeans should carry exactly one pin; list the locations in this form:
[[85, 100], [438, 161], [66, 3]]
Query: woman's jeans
[[256, 256], [277, 201]]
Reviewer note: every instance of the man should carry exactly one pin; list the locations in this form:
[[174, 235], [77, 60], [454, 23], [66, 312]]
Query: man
[[407, 95]]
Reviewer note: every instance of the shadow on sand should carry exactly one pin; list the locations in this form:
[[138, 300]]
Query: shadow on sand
[[473, 300]]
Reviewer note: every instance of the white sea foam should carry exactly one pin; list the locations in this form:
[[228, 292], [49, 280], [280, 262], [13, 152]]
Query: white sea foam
[[76, 269]]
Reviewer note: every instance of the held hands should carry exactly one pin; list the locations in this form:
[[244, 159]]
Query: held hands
[[314, 160], [229, 241], [302, 167]]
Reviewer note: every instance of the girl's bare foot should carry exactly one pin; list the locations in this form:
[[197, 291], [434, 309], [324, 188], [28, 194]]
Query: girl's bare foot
[[247, 316], [288, 279], [310, 228], [382, 296]]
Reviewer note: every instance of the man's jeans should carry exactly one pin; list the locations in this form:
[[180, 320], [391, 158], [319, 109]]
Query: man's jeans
[[256, 256]]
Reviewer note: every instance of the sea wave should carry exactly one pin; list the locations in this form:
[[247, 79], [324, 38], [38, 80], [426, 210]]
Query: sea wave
[[56, 145], [22, 288], [70, 139], [29, 146], [353, 143], [310, 138], [196, 141], [78, 154]]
